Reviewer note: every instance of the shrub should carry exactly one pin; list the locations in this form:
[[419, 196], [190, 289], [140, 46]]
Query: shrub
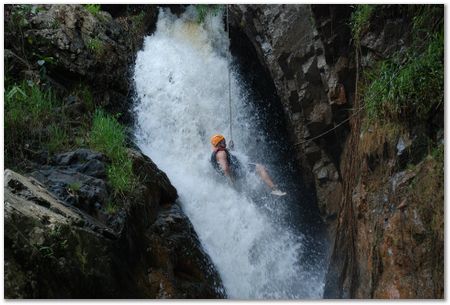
[[138, 19], [31, 122], [95, 45], [204, 9], [92, 8], [20, 13], [28, 111], [111, 208], [83, 92], [74, 186], [58, 138], [408, 86], [108, 137], [359, 21]]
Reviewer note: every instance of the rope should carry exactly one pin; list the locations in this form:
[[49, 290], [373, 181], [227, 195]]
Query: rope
[[355, 113], [331, 129], [229, 79]]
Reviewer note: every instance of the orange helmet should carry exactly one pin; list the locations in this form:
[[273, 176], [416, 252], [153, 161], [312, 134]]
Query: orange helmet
[[215, 139]]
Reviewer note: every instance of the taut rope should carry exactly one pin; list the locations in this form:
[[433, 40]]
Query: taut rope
[[229, 79]]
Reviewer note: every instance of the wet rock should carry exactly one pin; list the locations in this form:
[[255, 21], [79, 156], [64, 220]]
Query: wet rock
[[402, 144], [149, 174], [313, 153], [388, 38], [78, 178], [399, 179], [55, 250], [40, 233], [179, 250], [78, 156], [309, 53], [337, 94], [96, 48], [310, 70]]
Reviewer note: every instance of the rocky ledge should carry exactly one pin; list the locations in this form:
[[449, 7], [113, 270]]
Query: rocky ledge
[[60, 241]]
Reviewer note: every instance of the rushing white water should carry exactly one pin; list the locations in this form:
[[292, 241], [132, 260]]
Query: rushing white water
[[181, 81]]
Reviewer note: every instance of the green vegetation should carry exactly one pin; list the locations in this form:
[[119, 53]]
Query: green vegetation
[[36, 121], [409, 85], [85, 95], [55, 244], [108, 137], [33, 125], [138, 19], [75, 186], [360, 20], [81, 255], [92, 8], [111, 208], [137, 24], [57, 139], [27, 105], [29, 109], [95, 45], [204, 9], [405, 89], [19, 14]]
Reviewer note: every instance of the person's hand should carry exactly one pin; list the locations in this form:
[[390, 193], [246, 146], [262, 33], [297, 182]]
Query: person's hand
[[231, 144]]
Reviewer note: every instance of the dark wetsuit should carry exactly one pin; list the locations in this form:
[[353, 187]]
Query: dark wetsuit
[[236, 168]]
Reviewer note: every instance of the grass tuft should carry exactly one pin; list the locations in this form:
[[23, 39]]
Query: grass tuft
[[410, 86], [58, 138], [204, 9], [29, 114], [96, 46], [360, 20], [108, 137], [92, 8]]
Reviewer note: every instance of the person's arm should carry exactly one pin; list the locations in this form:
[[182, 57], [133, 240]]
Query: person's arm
[[221, 158]]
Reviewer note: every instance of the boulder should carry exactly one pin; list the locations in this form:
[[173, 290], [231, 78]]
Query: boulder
[[53, 249], [311, 72], [175, 251], [77, 178], [70, 44]]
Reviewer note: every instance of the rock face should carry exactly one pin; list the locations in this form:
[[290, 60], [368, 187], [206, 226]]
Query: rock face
[[67, 233], [58, 245], [312, 81], [386, 243], [75, 44]]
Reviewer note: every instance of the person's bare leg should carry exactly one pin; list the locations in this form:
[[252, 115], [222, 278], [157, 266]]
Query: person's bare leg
[[262, 172]]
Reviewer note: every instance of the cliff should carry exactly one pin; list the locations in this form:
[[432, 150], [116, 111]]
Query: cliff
[[86, 214], [377, 171]]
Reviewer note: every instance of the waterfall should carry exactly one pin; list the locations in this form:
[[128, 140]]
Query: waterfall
[[181, 83]]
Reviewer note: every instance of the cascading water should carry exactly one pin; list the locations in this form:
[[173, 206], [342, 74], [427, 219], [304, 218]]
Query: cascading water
[[181, 81]]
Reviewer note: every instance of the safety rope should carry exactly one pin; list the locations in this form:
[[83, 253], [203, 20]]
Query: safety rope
[[229, 79], [331, 129], [353, 114]]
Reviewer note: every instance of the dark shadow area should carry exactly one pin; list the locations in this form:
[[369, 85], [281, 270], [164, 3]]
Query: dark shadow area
[[303, 213]]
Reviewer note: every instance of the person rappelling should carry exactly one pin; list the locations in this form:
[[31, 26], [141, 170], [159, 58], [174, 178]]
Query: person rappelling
[[228, 165]]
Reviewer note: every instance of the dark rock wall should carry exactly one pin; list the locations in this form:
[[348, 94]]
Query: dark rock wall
[[389, 240], [58, 246], [311, 82], [96, 50], [368, 196]]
